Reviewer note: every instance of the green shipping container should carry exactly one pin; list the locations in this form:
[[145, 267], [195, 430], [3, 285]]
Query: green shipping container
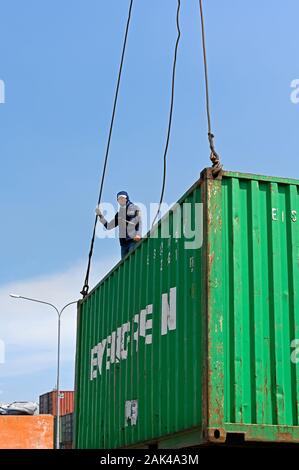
[[194, 338]]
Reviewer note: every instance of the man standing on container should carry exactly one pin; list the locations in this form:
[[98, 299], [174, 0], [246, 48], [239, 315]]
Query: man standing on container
[[128, 219]]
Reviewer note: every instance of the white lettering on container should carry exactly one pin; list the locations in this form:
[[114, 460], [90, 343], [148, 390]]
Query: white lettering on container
[[136, 332], [100, 352], [108, 353], [113, 346], [93, 363], [123, 348], [294, 216], [281, 215], [117, 344], [274, 214], [146, 324], [168, 321], [295, 353]]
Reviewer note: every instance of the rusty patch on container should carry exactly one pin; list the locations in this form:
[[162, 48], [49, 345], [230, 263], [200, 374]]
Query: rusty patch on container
[[211, 258], [217, 435], [284, 437], [207, 173]]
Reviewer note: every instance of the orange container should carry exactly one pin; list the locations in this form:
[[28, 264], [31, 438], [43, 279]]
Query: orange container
[[26, 432]]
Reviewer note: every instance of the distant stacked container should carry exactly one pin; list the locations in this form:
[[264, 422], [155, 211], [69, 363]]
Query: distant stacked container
[[47, 405], [66, 431], [47, 402]]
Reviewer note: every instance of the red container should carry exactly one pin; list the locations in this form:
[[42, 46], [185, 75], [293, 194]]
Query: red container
[[47, 402]]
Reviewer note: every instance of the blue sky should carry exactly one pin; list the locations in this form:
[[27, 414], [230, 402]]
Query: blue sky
[[59, 62]]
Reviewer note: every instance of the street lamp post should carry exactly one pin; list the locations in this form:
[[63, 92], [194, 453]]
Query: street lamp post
[[59, 313]]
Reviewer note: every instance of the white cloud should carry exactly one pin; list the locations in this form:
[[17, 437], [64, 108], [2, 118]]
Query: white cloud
[[29, 330]]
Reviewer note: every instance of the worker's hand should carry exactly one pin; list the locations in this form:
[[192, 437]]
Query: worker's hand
[[98, 212], [137, 238]]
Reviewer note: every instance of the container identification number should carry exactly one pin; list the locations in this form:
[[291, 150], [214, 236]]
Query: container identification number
[[278, 215]]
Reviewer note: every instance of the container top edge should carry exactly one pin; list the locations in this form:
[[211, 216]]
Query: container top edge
[[225, 174], [256, 177]]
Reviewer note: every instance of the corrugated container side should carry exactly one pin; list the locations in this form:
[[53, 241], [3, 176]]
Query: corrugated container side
[[156, 363], [261, 304]]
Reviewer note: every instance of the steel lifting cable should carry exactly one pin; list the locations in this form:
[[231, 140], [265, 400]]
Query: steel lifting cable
[[215, 158], [171, 109], [85, 289]]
